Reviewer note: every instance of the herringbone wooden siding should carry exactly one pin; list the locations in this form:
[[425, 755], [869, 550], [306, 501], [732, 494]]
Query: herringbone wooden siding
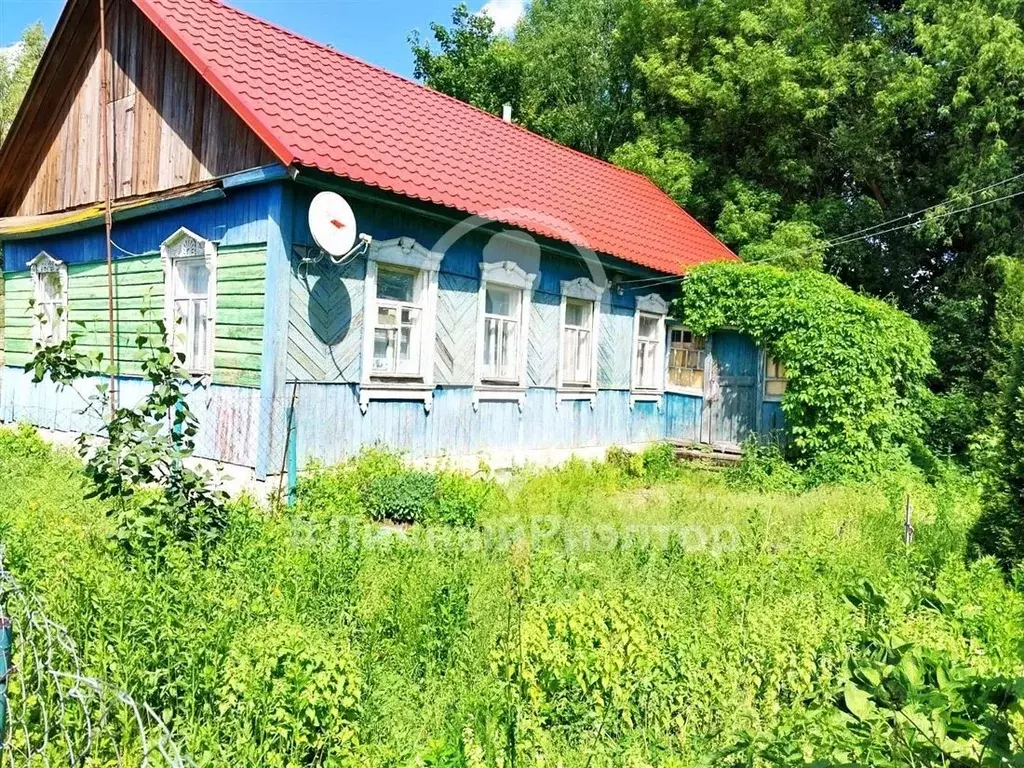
[[542, 356], [455, 348], [326, 322], [335, 308], [614, 348]]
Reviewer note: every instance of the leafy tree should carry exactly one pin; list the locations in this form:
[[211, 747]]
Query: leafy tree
[[473, 63], [873, 139], [17, 75]]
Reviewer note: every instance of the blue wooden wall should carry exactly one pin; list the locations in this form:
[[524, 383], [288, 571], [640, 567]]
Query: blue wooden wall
[[316, 316], [238, 219], [326, 320], [330, 426]]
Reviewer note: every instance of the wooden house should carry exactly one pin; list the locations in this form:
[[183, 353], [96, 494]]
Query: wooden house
[[514, 301]]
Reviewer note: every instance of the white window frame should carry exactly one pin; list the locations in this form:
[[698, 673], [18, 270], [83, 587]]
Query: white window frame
[[403, 253], [652, 306], [765, 395], [186, 246], [582, 289], [508, 275], [45, 264], [669, 386]]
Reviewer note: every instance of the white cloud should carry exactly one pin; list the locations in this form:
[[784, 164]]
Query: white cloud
[[505, 13]]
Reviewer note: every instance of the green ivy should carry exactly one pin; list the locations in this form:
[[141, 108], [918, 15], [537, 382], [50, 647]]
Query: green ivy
[[857, 366]]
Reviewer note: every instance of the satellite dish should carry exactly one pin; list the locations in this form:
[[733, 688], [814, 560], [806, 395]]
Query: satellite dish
[[332, 223]]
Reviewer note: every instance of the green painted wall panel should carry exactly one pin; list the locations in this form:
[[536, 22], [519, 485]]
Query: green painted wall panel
[[139, 298], [238, 346], [250, 332], [240, 316]]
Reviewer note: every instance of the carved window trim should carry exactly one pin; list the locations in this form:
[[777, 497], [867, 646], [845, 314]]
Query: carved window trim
[[183, 247], [46, 264], [654, 307], [510, 275], [404, 253], [580, 289]]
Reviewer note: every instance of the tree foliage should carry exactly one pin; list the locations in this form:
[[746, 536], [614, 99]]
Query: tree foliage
[[857, 366], [784, 125], [16, 74]]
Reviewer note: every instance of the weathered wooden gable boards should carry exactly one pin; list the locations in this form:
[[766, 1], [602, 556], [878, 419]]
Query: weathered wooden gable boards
[[169, 128]]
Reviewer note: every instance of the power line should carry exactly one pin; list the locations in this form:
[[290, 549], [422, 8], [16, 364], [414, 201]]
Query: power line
[[850, 238], [972, 193]]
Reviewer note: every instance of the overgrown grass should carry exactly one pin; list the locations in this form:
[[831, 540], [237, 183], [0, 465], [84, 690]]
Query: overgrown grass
[[598, 614]]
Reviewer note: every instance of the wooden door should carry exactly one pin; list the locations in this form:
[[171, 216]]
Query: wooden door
[[733, 395]]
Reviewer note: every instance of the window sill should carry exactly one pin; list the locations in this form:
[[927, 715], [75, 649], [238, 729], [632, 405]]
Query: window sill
[[419, 392], [693, 392], [576, 393], [498, 393], [773, 398], [645, 396]]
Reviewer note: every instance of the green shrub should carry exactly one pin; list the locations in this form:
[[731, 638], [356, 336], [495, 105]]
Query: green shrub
[[656, 462], [325, 492], [1000, 529], [406, 496], [377, 484], [659, 462], [459, 499], [764, 467], [857, 366], [898, 703], [292, 696]]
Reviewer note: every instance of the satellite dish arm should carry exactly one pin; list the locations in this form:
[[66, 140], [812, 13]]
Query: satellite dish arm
[[357, 250]]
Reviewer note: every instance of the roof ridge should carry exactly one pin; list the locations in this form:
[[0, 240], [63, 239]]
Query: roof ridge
[[407, 81]]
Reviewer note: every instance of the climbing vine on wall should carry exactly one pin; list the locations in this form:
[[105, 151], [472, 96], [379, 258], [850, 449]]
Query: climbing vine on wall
[[857, 366]]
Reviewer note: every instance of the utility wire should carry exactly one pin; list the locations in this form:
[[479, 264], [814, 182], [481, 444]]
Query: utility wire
[[847, 239], [972, 193]]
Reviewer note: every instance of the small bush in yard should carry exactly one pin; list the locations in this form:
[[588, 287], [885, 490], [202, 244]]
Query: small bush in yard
[[377, 484], [339, 490], [403, 497], [655, 462]]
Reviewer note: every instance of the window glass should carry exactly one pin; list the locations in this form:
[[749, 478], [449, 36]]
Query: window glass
[[501, 358], [501, 301], [647, 352], [577, 312], [50, 286], [50, 304], [395, 285], [686, 359], [775, 378], [576, 342], [396, 347], [648, 327], [193, 278], [191, 288]]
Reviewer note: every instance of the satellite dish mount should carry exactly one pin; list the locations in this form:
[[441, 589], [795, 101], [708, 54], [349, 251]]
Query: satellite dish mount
[[333, 226]]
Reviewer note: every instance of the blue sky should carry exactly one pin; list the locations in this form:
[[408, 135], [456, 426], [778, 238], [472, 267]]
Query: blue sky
[[373, 30]]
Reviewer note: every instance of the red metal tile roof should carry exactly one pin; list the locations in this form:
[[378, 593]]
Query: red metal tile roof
[[318, 108]]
